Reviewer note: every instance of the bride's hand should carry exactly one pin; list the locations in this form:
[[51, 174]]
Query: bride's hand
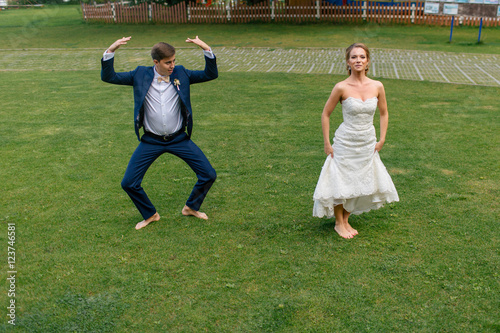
[[378, 146], [329, 150]]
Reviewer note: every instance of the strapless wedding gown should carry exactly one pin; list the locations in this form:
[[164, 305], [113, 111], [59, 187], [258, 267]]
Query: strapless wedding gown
[[355, 177]]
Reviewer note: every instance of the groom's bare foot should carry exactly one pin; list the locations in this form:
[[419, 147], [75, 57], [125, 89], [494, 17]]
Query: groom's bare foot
[[144, 223], [342, 231], [186, 211]]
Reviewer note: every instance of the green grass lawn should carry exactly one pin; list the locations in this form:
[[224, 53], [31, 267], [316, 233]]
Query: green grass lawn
[[63, 27], [261, 263]]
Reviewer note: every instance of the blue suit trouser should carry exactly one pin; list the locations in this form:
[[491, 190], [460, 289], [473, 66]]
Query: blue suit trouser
[[148, 151]]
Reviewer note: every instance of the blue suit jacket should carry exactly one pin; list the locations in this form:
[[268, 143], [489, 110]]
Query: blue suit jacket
[[142, 77]]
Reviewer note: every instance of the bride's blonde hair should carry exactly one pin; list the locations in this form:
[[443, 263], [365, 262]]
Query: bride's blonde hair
[[348, 54]]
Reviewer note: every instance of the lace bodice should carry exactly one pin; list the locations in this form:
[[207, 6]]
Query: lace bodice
[[358, 114]]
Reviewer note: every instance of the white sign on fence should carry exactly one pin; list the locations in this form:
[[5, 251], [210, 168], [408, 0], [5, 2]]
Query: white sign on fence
[[450, 9], [431, 8]]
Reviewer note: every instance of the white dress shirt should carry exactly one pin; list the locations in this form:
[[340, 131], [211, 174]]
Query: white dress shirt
[[162, 108], [162, 105]]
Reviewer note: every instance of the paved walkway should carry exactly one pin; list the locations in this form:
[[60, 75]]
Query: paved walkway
[[459, 68]]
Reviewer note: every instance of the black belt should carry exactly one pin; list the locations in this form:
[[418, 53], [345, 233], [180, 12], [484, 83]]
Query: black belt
[[168, 137]]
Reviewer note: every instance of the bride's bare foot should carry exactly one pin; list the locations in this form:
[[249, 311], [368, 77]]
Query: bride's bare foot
[[144, 223], [353, 231], [342, 231], [341, 225], [186, 211]]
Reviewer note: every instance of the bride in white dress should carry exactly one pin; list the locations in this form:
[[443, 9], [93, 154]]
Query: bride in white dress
[[354, 179]]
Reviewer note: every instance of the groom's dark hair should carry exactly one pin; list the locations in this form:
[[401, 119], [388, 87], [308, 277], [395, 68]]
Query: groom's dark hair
[[161, 51]]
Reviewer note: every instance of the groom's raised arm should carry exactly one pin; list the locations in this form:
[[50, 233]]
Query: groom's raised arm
[[108, 73], [210, 72]]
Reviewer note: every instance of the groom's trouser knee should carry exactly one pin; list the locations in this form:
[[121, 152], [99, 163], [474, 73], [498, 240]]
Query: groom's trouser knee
[[140, 161], [206, 175]]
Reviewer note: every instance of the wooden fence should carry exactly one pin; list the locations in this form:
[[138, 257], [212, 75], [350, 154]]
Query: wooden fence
[[359, 11]]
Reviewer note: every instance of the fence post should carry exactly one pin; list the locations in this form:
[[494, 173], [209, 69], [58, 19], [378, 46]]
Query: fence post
[[228, 10], [272, 10], [318, 11], [413, 10], [84, 10], [113, 11], [365, 7]]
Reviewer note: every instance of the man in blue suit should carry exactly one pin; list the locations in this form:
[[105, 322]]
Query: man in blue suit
[[162, 105]]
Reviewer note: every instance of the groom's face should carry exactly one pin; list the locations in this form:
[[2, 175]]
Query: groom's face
[[165, 66]]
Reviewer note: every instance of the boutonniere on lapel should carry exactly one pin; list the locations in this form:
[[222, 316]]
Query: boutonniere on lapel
[[177, 83]]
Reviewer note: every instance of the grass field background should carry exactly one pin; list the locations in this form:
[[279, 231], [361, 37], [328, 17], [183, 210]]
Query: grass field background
[[261, 263], [63, 27]]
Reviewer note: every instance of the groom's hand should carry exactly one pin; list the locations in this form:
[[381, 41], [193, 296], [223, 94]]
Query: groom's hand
[[122, 41], [198, 42]]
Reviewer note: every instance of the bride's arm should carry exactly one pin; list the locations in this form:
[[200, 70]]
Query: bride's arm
[[325, 117], [384, 117]]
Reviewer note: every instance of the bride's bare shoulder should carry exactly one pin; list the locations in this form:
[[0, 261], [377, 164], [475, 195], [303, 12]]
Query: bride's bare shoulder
[[376, 83], [341, 85]]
